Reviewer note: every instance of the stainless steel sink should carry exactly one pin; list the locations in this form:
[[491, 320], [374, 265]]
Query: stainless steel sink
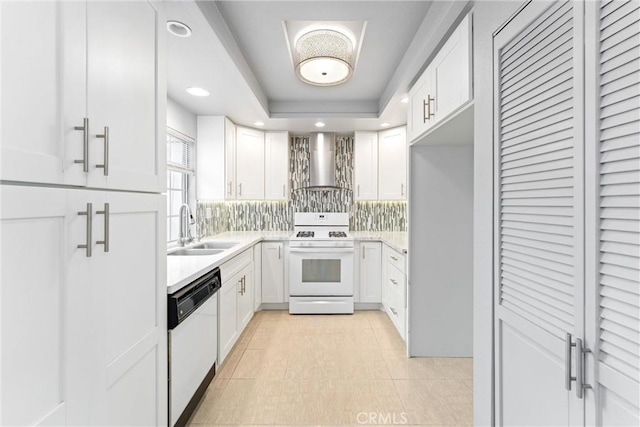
[[195, 252], [214, 245]]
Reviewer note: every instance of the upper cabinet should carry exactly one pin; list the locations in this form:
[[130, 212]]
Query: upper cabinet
[[249, 164], [392, 164], [380, 171], [215, 177], [78, 79], [365, 186], [276, 164], [446, 84]]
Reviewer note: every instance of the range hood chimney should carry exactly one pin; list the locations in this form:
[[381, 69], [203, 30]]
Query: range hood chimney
[[323, 161]]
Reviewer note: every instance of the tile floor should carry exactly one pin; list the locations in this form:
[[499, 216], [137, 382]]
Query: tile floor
[[333, 370]]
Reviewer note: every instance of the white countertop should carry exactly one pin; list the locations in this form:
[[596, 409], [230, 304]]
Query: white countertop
[[396, 239], [182, 270]]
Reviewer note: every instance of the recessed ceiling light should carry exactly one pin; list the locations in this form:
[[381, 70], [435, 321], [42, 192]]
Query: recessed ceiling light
[[197, 91], [404, 99], [178, 29], [384, 125], [258, 123], [319, 124]]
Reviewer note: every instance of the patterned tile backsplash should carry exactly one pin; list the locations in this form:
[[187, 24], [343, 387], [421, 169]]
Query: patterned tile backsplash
[[278, 215]]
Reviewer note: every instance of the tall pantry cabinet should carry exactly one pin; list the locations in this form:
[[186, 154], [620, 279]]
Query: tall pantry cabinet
[[83, 289], [567, 260]]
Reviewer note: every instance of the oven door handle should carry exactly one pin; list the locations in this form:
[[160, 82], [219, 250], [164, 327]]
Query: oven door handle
[[321, 250]]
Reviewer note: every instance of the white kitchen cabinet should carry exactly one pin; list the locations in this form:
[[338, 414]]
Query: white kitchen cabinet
[[370, 272], [97, 360], [211, 149], [276, 164], [90, 65], [392, 164], [249, 164], [272, 272], [365, 166], [257, 276], [445, 85], [236, 300], [230, 160], [394, 288], [228, 316]]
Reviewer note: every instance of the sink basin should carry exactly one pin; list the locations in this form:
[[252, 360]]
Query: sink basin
[[195, 252], [214, 245]]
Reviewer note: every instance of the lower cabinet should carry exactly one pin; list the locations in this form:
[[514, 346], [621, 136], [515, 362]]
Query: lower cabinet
[[273, 272], [370, 272], [83, 303], [236, 300], [257, 276], [394, 288]]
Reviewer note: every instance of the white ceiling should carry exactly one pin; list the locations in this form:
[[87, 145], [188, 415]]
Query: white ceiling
[[238, 51]]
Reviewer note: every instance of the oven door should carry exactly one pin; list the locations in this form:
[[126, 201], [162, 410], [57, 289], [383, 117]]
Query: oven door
[[321, 271]]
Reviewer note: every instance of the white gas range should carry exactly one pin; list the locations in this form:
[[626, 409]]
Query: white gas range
[[321, 264]]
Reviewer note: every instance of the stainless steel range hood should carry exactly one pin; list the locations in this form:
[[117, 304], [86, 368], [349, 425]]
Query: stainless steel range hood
[[323, 161]]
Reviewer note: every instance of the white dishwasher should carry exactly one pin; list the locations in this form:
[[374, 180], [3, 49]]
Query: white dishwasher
[[193, 344]]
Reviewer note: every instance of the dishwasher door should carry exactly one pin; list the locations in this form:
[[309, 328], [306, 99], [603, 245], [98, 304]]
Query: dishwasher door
[[193, 351]]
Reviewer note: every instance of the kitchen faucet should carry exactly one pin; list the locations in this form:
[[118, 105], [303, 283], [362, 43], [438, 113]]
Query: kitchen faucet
[[184, 236]]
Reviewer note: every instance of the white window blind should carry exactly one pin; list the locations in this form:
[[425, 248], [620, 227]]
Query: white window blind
[[181, 152]]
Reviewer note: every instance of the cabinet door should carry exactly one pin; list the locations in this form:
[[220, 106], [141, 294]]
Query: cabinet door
[[230, 160], [366, 166], [210, 158], [43, 57], [421, 107], [250, 164], [539, 216], [273, 272], [122, 82], [452, 71], [257, 276], [228, 316], [133, 308], [245, 298], [613, 276], [392, 172], [370, 272], [276, 165]]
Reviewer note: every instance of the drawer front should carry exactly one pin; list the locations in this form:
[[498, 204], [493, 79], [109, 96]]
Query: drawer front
[[396, 282], [396, 259], [396, 312], [235, 264]]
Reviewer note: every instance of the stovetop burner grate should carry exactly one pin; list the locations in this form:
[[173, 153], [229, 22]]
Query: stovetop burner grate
[[305, 234], [337, 234]]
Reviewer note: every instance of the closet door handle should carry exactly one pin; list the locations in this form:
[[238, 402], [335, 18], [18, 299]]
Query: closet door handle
[[105, 165], [580, 355], [85, 144], [105, 242], [89, 214]]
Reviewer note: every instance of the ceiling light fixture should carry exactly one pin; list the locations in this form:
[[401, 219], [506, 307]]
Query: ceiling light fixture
[[319, 124], [385, 125], [324, 57], [178, 29], [197, 91], [258, 123], [404, 99]]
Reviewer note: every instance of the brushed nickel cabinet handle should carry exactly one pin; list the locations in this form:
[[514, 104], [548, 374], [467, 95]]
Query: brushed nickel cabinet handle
[[429, 100], [85, 144], [278, 252], [393, 281], [393, 311], [393, 258], [283, 190], [402, 189], [358, 190], [424, 111], [89, 214], [105, 242], [240, 189], [230, 187], [105, 165]]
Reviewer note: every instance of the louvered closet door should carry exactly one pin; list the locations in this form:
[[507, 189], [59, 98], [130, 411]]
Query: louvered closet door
[[615, 324], [539, 212]]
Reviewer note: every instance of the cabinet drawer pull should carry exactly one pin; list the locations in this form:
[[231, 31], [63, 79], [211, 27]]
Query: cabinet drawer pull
[[105, 242], [393, 311], [85, 144], [393, 281], [105, 165], [393, 258], [89, 214]]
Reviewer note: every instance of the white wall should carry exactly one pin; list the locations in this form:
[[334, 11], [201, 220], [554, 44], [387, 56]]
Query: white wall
[[489, 16], [181, 119], [441, 251]]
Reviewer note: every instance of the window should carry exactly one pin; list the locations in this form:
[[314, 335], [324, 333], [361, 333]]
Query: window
[[180, 178]]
